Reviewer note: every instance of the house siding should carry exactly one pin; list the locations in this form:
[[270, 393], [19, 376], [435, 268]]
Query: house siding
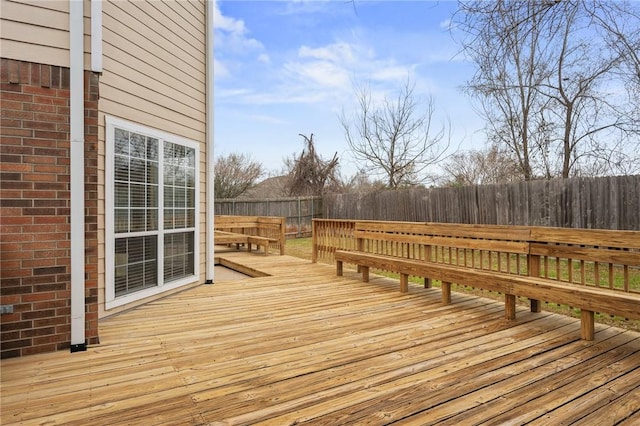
[[35, 275], [37, 31], [154, 75]]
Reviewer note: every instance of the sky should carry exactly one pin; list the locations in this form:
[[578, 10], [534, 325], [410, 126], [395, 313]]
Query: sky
[[284, 68]]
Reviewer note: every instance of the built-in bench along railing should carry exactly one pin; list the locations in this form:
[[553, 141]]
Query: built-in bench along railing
[[607, 262]]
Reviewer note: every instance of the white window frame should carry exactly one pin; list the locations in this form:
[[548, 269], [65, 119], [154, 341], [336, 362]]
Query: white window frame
[[111, 301]]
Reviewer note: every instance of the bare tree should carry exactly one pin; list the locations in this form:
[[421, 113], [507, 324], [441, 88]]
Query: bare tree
[[396, 139], [234, 174], [308, 173], [547, 80], [481, 167]]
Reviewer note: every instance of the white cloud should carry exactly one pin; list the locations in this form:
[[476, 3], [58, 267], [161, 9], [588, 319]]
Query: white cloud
[[393, 73], [446, 24], [220, 69], [336, 52], [231, 35]]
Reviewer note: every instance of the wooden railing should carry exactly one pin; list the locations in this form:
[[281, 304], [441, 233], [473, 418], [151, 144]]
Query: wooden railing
[[269, 227], [592, 258]]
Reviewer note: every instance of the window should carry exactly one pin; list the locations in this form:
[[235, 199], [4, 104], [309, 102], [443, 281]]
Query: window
[[151, 210]]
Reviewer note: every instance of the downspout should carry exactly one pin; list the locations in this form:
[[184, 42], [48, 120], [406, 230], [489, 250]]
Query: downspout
[[76, 84], [210, 213]]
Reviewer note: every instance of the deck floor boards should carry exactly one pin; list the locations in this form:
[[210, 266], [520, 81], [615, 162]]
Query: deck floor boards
[[304, 346]]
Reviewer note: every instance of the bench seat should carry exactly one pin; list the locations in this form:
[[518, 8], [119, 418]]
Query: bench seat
[[588, 299]]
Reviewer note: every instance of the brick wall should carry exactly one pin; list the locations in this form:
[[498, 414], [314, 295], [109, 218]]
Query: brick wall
[[34, 207]]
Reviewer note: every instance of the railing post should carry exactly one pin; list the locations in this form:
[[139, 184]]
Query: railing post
[[314, 241], [534, 271]]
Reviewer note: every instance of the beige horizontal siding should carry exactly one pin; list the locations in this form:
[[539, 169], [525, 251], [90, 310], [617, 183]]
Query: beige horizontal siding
[[38, 31], [154, 75]]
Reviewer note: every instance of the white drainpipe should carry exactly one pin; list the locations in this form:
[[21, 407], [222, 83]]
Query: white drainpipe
[[209, 275], [76, 65]]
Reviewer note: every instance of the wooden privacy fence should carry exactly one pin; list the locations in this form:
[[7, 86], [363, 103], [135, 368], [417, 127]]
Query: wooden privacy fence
[[595, 203], [298, 212], [594, 270]]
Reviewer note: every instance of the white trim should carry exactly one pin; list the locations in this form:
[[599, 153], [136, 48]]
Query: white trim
[[96, 35], [210, 189], [111, 301], [76, 154]]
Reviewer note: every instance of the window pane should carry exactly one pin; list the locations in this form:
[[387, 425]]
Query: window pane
[[180, 174], [168, 218], [138, 197], [152, 220], [138, 146], [191, 178], [168, 196], [121, 142], [138, 220], [121, 166], [152, 149], [152, 172], [191, 198], [178, 255], [136, 268], [121, 219], [121, 194], [169, 173], [191, 157], [137, 170], [180, 198], [191, 218], [179, 218], [152, 196]]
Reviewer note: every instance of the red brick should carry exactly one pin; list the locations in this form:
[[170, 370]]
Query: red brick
[[40, 125], [50, 100], [39, 159], [50, 135], [50, 339], [13, 273], [17, 96], [33, 350], [38, 263], [13, 113], [11, 87], [10, 122], [50, 321], [42, 116], [16, 325], [13, 167], [9, 299], [17, 255], [38, 297], [40, 91], [13, 344], [16, 132], [40, 245], [11, 104]]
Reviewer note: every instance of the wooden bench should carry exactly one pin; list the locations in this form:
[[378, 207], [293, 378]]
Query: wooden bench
[[589, 299], [262, 231], [224, 237]]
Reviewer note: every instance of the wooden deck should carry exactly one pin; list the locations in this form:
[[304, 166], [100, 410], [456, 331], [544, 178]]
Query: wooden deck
[[304, 345]]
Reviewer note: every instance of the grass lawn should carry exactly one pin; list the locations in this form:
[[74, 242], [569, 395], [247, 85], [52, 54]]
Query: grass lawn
[[302, 248]]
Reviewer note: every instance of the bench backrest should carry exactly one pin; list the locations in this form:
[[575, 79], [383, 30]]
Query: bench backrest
[[596, 258], [499, 248]]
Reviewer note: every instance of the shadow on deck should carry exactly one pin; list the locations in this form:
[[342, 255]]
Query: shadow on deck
[[303, 345]]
